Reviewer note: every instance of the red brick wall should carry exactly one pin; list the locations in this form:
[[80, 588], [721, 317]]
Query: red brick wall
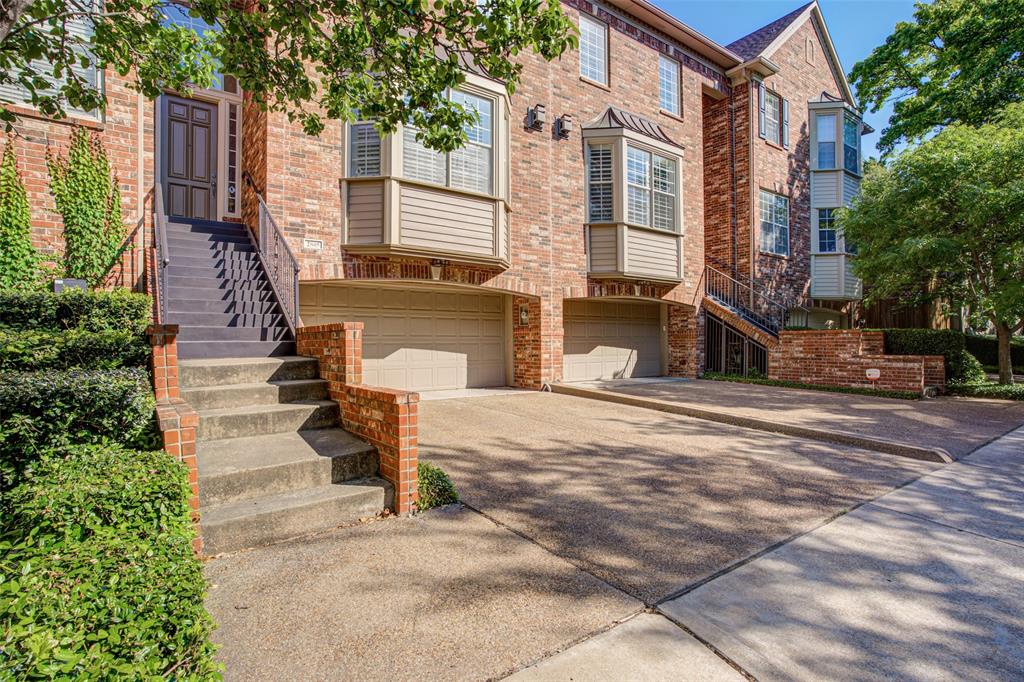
[[682, 341], [841, 357]]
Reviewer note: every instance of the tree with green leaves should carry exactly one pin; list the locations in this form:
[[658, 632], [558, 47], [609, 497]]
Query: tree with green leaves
[[390, 60], [946, 217], [959, 61], [19, 262], [88, 199]]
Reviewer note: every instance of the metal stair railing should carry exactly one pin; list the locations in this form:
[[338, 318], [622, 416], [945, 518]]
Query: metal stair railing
[[277, 259], [746, 301], [163, 254]]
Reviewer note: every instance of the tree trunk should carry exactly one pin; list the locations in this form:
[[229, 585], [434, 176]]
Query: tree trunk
[[10, 12], [1005, 360]]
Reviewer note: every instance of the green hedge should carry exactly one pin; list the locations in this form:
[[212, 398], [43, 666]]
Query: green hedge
[[961, 366], [989, 390], [102, 584], [986, 349], [72, 349], [781, 383], [119, 309], [40, 410]]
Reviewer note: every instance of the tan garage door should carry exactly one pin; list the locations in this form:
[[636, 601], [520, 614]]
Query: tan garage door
[[418, 339], [611, 340]]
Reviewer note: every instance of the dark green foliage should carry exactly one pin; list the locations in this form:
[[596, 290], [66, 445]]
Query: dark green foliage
[[961, 366], [902, 395], [986, 349], [72, 349], [119, 309], [89, 201], [97, 575], [19, 262], [41, 410], [71, 491], [988, 390], [435, 488]]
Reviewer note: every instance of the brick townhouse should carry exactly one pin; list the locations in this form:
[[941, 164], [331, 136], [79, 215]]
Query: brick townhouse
[[652, 204]]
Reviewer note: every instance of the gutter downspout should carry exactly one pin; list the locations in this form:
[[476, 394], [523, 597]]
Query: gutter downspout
[[752, 204]]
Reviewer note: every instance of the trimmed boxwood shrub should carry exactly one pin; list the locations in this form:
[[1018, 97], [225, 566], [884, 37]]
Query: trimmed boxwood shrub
[[986, 349], [85, 489], [989, 390], [761, 380], [72, 349], [120, 310], [42, 410], [435, 488], [961, 366]]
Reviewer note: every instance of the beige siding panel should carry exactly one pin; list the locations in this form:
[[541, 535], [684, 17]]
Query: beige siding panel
[[825, 189], [853, 285], [417, 339], [611, 340], [365, 213], [603, 245], [652, 253], [825, 276], [441, 220], [851, 186]]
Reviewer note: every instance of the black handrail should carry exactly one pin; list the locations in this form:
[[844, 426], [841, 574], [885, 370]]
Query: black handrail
[[163, 254]]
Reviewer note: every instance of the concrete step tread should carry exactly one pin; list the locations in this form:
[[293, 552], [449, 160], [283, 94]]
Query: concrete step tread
[[297, 406], [230, 362], [256, 393], [230, 456], [256, 384], [232, 369], [223, 349], [215, 515]]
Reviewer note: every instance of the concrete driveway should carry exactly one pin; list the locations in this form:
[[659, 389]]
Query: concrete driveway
[[651, 503], [957, 425]]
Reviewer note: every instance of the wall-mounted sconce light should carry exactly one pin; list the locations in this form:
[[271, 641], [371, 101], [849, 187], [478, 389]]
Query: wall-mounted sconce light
[[436, 265], [564, 126], [536, 117]]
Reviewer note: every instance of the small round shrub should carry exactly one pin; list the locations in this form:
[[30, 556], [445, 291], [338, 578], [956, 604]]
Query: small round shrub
[[964, 368], [435, 488]]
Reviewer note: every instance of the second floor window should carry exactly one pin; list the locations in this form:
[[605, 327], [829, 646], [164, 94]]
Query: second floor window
[[469, 167], [774, 210], [593, 50], [651, 189], [364, 157], [827, 242], [668, 85], [600, 183], [826, 133], [851, 144], [772, 117]]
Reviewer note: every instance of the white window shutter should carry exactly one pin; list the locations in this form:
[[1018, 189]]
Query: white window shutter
[[761, 126], [785, 123]]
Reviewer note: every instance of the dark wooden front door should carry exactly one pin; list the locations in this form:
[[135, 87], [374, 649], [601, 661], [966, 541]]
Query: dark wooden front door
[[189, 151]]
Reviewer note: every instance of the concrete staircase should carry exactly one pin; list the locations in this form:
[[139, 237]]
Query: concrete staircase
[[273, 463], [219, 295]]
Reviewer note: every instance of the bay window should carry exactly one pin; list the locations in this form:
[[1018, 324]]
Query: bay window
[[650, 189], [851, 144], [468, 168], [600, 183], [774, 210], [825, 128], [827, 240], [364, 154]]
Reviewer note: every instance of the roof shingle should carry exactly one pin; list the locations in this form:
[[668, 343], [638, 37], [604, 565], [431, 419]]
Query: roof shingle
[[753, 44]]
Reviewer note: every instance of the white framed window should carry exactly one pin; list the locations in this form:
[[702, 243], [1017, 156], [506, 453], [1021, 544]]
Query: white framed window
[[593, 50], [600, 183], [668, 85], [774, 210], [364, 150], [471, 166], [773, 117], [651, 189], [179, 15], [851, 144], [827, 238], [825, 131]]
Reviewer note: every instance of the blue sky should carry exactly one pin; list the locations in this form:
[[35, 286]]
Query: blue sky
[[856, 27]]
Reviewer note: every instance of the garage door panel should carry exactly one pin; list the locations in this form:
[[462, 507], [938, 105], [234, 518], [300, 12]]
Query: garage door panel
[[418, 339], [611, 340]]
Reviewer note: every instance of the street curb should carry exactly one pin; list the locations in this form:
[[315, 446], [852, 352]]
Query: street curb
[[878, 445]]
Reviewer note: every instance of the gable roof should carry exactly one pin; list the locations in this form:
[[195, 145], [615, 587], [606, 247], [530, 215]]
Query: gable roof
[[613, 117], [766, 40], [753, 44]]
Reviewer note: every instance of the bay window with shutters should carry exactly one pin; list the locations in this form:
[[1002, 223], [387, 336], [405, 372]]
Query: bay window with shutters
[[403, 198], [633, 201]]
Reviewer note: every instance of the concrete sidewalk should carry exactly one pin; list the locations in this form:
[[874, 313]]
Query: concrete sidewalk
[[924, 583]]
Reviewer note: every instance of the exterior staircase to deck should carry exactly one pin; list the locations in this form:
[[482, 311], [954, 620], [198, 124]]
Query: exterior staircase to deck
[[746, 303], [217, 291], [273, 463]]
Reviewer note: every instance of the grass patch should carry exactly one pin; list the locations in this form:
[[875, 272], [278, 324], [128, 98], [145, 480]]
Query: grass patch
[[435, 488], [761, 381]]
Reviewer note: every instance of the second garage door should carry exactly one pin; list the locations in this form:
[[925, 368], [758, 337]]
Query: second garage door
[[418, 339], [611, 340]]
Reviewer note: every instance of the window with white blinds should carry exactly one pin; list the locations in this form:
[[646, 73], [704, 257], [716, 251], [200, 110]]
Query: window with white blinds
[[364, 154], [651, 188], [18, 94], [471, 166], [774, 209], [600, 183], [593, 50], [668, 85]]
